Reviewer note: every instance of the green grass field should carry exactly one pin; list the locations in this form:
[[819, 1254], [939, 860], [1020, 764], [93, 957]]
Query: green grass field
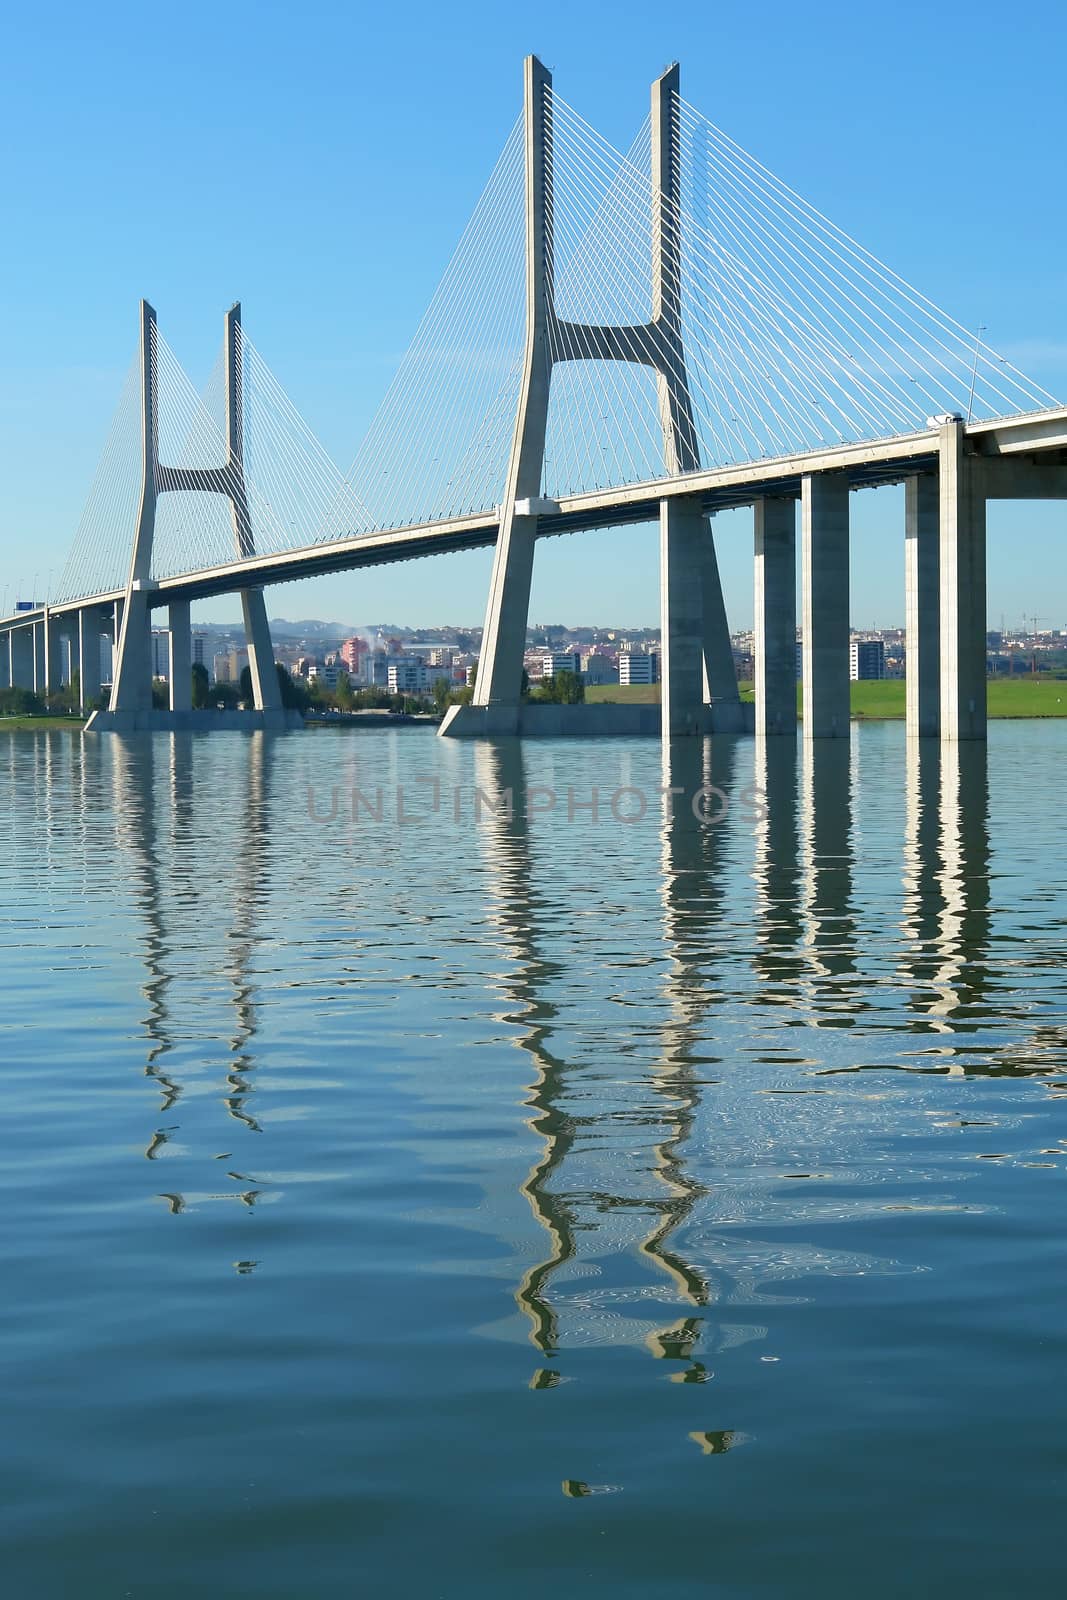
[[19, 724], [877, 701]]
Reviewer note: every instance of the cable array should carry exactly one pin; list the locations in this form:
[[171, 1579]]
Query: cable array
[[778, 332], [438, 445], [99, 558], [792, 336], [848, 347]]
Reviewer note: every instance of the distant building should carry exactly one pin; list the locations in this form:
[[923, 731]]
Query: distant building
[[327, 674], [598, 668], [413, 676], [376, 665], [200, 649], [228, 668], [160, 653], [637, 667], [556, 661], [866, 659]]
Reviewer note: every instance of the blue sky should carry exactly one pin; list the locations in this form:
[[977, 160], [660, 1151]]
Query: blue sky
[[318, 162]]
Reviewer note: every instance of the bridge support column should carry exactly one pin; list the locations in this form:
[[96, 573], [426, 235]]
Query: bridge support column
[[682, 547], [181, 656], [266, 690], [22, 658], [922, 600], [131, 687], [499, 682], [825, 592], [776, 617], [47, 673], [963, 591], [720, 670], [5, 660], [88, 657]]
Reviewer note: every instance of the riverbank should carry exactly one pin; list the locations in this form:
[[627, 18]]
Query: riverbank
[[885, 701], [1009, 698], [20, 724]]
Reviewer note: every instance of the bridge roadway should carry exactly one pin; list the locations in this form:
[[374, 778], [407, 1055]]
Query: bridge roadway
[[1040, 436]]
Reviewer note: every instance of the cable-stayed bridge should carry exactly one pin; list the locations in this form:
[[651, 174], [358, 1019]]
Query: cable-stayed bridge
[[655, 334]]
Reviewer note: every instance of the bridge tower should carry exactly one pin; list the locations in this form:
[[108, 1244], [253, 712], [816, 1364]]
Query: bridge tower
[[131, 693], [696, 661]]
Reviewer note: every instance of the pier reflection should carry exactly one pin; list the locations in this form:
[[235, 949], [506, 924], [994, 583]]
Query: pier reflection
[[829, 992], [778, 929], [945, 926]]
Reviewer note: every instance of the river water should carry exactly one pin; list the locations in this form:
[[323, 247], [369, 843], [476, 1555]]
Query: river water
[[410, 1191]]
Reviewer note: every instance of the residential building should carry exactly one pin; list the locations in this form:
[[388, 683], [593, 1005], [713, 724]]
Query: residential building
[[598, 668], [160, 653], [866, 659], [556, 661], [638, 666], [413, 676], [352, 653], [326, 674]]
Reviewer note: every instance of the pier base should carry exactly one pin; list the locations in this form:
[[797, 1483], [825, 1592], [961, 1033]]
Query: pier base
[[159, 721], [531, 720]]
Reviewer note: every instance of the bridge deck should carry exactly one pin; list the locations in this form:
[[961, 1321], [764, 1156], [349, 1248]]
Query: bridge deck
[[867, 465]]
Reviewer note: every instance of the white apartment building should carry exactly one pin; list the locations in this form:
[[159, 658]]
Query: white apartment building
[[866, 659], [555, 661], [413, 676], [638, 668]]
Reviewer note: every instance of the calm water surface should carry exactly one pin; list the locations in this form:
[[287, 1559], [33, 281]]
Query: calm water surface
[[544, 1204]]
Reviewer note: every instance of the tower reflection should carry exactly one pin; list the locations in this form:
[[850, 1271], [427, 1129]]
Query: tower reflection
[[159, 822], [692, 857], [699, 785], [501, 773]]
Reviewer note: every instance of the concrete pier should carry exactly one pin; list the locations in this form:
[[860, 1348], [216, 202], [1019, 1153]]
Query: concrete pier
[[922, 605], [181, 656], [775, 617], [963, 591], [47, 671], [825, 602], [683, 537], [720, 670], [266, 690], [88, 644], [21, 657], [131, 688]]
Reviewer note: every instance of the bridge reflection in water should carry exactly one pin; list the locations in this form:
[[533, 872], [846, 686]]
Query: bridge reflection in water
[[660, 1130], [799, 935]]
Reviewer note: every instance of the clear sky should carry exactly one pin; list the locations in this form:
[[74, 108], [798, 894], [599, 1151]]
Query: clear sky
[[319, 161]]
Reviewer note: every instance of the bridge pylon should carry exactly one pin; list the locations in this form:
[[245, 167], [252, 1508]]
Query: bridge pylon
[[130, 705], [696, 660]]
